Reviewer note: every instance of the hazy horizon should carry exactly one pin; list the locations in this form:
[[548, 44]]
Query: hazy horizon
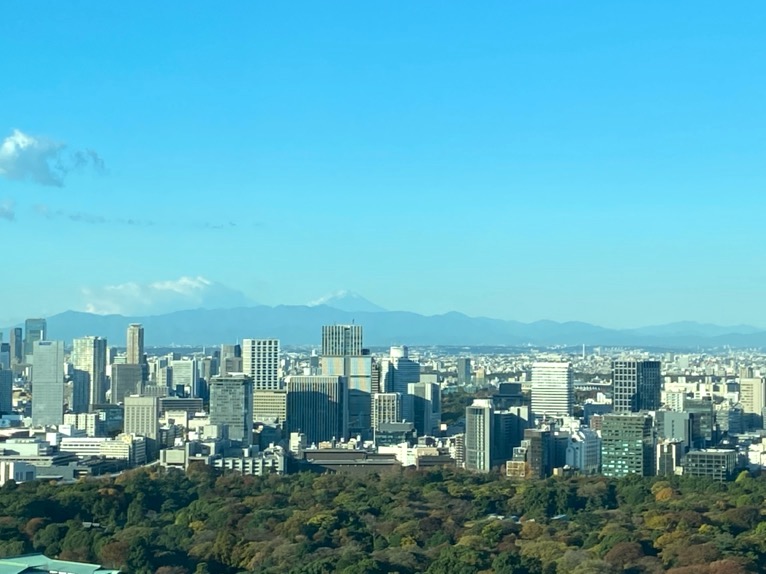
[[331, 303]]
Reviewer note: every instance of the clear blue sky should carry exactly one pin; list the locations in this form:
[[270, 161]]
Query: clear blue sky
[[598, 161]]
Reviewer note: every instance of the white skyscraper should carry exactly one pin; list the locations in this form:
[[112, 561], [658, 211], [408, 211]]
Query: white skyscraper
[[48, 383], [552, 389], [478, 435], [260, 361]]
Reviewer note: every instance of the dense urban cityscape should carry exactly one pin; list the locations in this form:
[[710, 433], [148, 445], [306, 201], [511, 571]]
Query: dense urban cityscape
[[86, 408]]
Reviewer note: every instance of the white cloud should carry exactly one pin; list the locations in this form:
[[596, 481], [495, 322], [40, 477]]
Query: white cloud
[[161, 297], [42, 160], [8, 210]]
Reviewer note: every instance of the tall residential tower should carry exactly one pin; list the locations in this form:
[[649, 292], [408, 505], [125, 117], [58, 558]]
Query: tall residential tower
[[135, 353]]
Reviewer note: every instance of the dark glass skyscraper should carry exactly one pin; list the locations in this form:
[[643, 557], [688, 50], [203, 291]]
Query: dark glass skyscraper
[[317, 407], [636, 385], [17, 346], [35, 330]]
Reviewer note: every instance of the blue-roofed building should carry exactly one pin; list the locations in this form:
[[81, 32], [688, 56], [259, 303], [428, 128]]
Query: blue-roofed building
[[39, 563]]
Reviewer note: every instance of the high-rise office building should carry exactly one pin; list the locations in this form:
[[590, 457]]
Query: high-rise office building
[[552, 388], [677, 426], [539, 448], [508, 430], [260, 361], [135, 352], [126, 381], [165, 377], [34, 330], [316, 407], [426, 407], [343, 356], [464, 371], [397, 372], [48, 383], [17, 346], [5, 355], [89, 356], [6, 391], [705, 428], [627, 445], [729, 418], [142, 418], [231, 406], [636, 385], [386, 408], [509, 395], [230, 359], [752, 397], [80, 391], [270, 407], [356, 372], [341, 340], [185, 377], [479, 423]]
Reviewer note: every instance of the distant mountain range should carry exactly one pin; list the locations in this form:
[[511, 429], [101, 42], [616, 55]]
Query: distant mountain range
[[301, 325]]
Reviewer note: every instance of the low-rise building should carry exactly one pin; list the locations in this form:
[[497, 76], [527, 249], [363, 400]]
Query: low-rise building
[[715, 463], [17, 471], [269, 461], [39, 563], [583, 451]]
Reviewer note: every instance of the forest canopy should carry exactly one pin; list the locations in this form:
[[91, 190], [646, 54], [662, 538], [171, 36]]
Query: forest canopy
[[437, 521]]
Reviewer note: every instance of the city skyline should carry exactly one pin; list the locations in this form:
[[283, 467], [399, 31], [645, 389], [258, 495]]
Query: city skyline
[[598, 163]]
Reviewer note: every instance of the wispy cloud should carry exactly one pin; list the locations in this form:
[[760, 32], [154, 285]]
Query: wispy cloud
[[161, 297], [8, 210], [42, 160], [84, 217]]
